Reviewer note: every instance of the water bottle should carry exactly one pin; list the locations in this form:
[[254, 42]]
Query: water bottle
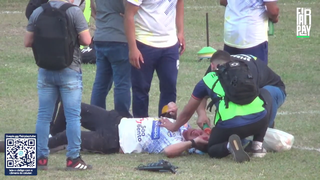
[[206, 129], [270, 28]]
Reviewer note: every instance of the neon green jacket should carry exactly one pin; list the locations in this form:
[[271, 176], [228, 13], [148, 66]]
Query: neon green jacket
[[233, 110]]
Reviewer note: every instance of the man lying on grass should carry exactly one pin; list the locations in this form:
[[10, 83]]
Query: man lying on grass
[[110, 133]]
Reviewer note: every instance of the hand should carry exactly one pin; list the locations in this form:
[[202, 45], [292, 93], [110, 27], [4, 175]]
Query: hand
[[203, 139], [203, 120], [173, 109], [167, 124], [135, 57], [182, 43]]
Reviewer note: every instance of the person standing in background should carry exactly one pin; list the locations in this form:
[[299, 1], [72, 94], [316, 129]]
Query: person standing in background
[[155, 32], [111, 57], [246, 26]]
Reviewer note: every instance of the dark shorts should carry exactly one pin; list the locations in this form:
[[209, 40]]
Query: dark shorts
[[260, 51]]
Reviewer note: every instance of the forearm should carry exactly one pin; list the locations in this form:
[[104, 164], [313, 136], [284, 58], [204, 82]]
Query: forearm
[[201, 110], [129, 28], [180, 16], [182, 119], [175, 150], [93, 9]]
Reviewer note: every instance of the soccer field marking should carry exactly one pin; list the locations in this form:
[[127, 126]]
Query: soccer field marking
[[306, 148], [281, 4], [201, 7], [11, 12], [297, 112]]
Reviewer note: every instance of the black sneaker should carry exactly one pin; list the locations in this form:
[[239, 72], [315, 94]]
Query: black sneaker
[[77, 164], [42, 163], [236, 149]]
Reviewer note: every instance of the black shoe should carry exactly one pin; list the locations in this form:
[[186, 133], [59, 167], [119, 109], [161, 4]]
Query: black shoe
[[77, 164], [42, 163], [235, 147]]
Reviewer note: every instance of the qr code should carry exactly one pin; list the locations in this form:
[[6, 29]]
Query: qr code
[[20, 152]]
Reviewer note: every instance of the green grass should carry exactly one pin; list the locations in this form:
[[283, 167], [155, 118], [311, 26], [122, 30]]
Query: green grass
[[295, 59]]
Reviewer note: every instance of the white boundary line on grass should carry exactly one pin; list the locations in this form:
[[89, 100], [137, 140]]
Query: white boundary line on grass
[[297, 112], [11, 12], [284, 4], [306, 148], [198, 7]]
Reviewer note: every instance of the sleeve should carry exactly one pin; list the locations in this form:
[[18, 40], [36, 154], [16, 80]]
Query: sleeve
[[32, 19], [135, 2], [200, 91], [80, 22]]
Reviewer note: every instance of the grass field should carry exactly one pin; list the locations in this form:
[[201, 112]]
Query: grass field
[[296, 60]]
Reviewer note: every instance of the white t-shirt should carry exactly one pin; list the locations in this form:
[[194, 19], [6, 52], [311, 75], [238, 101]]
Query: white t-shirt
[[246, 23], [155, 22], [138, 135]]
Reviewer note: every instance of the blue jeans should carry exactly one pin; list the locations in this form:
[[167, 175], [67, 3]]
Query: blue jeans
[[112, 66], [67, 84], [165, 62], [278, 99], [260, 51]]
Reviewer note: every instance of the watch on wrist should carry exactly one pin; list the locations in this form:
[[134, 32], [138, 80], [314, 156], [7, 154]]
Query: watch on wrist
[[193, 143]]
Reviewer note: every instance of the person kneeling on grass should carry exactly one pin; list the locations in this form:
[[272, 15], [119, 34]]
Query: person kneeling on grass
[[233, 121], [111, 133]]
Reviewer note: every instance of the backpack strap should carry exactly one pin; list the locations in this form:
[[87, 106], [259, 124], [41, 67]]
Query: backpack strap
[[46, 6], [214, 100], [66, 6]]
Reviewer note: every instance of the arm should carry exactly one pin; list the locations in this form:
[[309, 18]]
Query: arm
[[93, 9], [202, 113], [135, 55], [223, 2], [177, 149], [85, 38], [180, 25], [81, 26], [272, 11], [186, 113], [129, 25], [28, 39]]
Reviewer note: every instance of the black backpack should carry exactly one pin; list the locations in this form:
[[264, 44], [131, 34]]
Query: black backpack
[[54, 44], [239, 85]]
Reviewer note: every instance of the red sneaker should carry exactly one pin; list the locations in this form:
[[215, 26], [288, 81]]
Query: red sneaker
[[42, 163], [77, 164]]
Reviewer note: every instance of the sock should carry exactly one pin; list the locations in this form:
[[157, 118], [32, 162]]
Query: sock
[[256, 145]]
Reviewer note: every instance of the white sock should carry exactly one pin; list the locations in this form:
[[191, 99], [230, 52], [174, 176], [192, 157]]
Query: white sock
[[256, 145]]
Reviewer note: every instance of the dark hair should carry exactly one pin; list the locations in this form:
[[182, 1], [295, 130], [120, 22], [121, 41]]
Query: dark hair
[[220, 57]]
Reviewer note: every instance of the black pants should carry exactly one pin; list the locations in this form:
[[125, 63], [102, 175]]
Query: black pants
[[102, 137], [217, 146]]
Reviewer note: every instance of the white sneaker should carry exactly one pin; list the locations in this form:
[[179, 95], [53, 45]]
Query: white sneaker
[[257, 150], [50, 136]]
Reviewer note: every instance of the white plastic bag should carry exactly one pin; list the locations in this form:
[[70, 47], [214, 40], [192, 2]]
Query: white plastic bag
[[277, 140]]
